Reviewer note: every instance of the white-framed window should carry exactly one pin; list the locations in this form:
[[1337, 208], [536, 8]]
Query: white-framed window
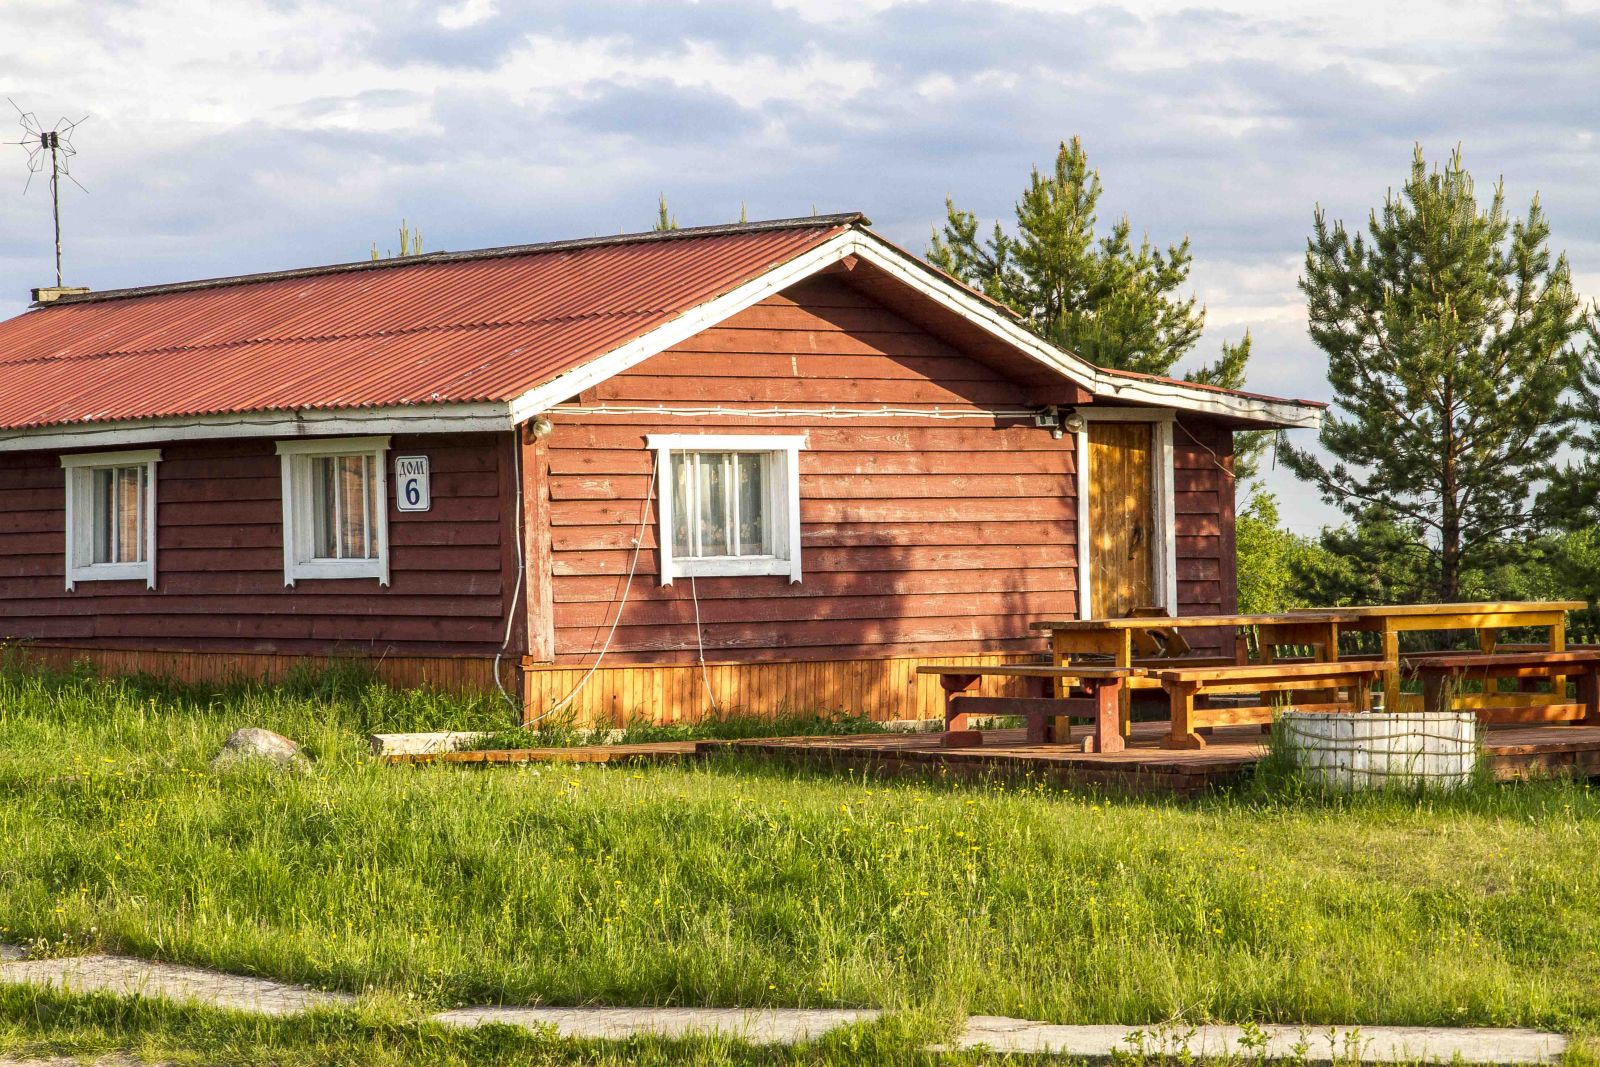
[[729, 504], [335, 509], [111, 516]]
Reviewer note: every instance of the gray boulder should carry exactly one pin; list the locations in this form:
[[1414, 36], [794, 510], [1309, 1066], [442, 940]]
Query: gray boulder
[[254, 744]]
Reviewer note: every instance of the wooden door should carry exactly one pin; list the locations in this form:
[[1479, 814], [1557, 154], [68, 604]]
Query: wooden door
[[1121, 518]]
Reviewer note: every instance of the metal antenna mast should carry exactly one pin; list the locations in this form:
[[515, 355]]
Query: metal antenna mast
[[56, 145]]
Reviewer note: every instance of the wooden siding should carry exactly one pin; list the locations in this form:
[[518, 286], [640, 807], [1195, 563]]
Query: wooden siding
[[451, 674], [1203, 487], [922, 536], [220, 561]]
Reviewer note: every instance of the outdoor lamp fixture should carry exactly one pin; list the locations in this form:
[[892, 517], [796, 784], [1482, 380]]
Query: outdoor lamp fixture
[[1059, 422], [541, 427]]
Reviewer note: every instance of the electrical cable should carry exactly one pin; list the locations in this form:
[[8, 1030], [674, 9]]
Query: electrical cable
[[833, 412], [622, 602], [700, 642], [522, 570]]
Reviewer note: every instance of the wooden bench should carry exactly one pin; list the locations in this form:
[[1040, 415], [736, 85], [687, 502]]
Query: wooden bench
[[1044, 710], [1305, 686], [1443, 674]]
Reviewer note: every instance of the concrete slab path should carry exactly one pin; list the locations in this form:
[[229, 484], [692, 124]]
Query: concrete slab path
[[1312, 1044], [125, 976], [757, 1026]]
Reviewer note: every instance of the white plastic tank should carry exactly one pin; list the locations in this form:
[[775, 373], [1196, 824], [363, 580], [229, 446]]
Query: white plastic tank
[[1381, 749]]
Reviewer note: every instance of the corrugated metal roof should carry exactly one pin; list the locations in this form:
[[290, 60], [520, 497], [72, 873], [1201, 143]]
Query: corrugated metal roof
[[443, 328]]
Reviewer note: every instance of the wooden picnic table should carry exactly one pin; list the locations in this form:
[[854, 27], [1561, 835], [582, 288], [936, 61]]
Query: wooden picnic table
[[1487, 619], [1117, 638]]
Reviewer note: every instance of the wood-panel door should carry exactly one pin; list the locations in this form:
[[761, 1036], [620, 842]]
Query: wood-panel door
[[1122, 519]]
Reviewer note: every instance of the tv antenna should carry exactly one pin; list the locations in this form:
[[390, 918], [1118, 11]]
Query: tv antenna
[[52, 147]]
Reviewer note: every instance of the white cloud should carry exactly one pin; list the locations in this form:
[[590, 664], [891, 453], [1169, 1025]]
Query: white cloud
[[466, 13]]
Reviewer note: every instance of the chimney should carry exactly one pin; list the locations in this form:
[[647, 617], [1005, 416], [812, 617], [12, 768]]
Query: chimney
[[51, 293]]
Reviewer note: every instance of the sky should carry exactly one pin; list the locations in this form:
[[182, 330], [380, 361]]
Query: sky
[[238, 136]]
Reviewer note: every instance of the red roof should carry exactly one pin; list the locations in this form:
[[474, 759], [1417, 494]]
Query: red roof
[[441, 328]]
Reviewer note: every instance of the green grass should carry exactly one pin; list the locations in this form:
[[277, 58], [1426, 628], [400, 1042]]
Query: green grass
[[734, 884]]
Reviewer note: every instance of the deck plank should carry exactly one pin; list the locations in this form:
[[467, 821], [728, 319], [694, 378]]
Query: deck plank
[[1143, 767]]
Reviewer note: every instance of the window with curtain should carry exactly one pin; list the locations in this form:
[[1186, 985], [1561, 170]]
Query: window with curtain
[[721, 500], [335, 507], [729, 504], [111, 514]]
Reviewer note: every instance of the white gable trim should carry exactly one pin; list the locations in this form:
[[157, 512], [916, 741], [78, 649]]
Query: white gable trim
[[1104, 384], [568, 385], [955, 298]]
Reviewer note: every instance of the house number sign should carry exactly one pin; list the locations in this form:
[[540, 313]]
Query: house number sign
[[411, 489]]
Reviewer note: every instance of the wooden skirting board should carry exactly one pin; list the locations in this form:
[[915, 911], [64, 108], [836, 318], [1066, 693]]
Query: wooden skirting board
[[888, 688]]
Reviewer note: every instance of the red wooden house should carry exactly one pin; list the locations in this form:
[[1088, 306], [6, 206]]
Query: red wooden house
[[788, 450]]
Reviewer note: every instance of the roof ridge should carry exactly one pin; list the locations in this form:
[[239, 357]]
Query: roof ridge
[[805, 222]]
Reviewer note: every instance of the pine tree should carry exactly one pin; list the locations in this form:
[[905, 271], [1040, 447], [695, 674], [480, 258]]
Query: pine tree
[[1114, 304], [1571, 502], [664, 221], [1449, 334]]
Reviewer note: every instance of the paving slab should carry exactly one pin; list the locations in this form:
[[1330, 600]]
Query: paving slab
[[122, 976], [422, 743], [758, 1026], [1310, 1044]]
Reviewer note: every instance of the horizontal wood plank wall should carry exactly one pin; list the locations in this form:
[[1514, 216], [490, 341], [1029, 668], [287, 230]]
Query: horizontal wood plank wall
[[220, 561], [925, 539], [922, 536], [877, 688], [1203, 485], [451, 674]]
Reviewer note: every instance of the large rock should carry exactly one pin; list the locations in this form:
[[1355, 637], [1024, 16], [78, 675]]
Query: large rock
[[253, 744]]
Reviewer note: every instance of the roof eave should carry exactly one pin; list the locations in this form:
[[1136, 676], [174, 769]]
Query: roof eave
[[280, 423], [1249, 409]]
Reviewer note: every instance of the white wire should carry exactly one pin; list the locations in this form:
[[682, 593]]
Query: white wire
[[834, 412], [622, 602], [700, 643], [522, 571]]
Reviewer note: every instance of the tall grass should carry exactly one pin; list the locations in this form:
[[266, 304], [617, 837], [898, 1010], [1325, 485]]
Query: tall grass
[[729, 883]]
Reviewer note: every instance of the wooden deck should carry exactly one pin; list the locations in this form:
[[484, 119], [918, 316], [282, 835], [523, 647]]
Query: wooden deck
[[651, 752], [1143, 767]]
